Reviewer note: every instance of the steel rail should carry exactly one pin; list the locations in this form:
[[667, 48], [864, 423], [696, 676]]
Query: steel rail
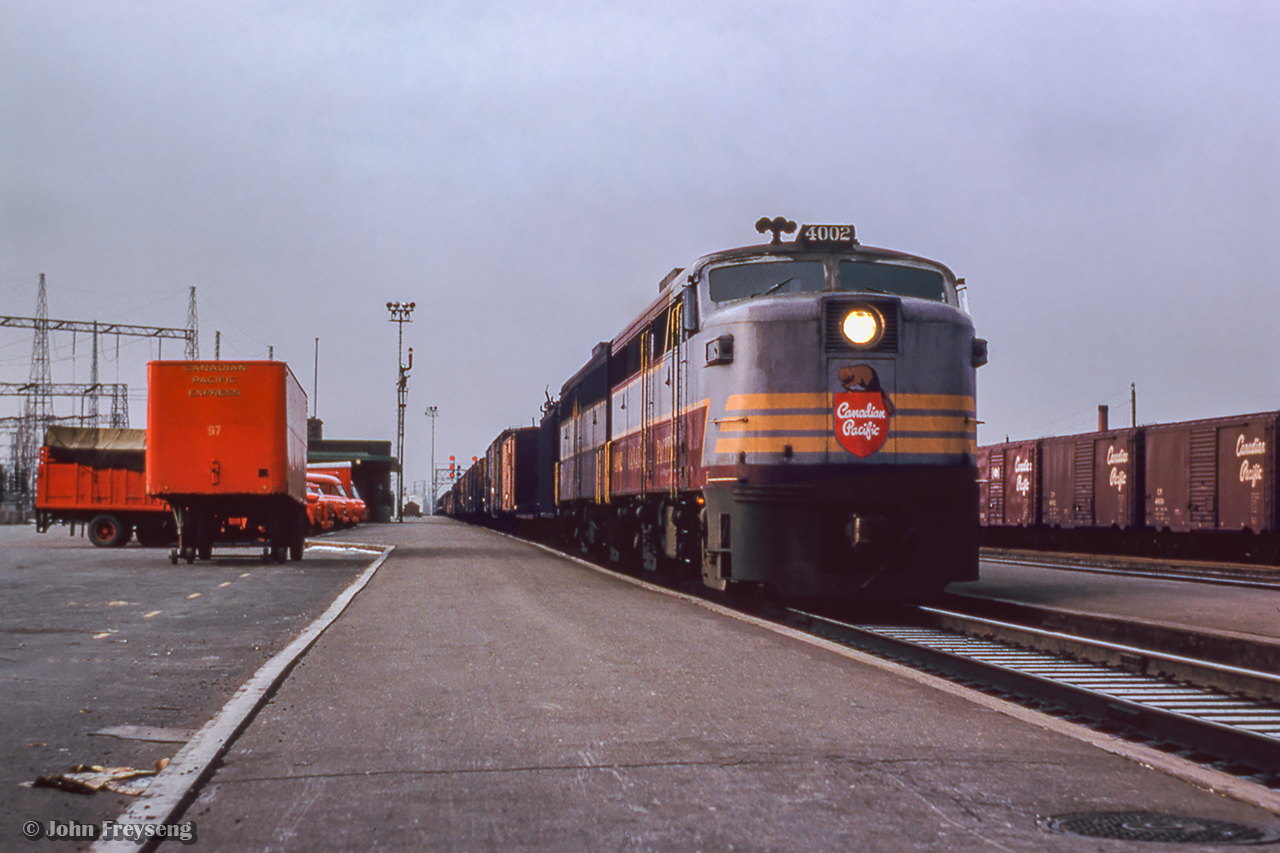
[[1227, 727]]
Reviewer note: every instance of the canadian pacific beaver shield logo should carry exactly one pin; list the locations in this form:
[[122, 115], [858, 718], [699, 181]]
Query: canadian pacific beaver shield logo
[[862, 410]]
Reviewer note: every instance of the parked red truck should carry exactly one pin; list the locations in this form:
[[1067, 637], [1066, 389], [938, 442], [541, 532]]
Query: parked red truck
[[95, 477], [227, 449]]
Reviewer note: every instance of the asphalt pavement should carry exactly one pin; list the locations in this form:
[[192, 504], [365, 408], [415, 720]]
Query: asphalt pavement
[[114, 657]]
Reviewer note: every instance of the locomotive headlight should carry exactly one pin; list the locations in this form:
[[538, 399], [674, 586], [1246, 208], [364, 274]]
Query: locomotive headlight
[[863, 326]]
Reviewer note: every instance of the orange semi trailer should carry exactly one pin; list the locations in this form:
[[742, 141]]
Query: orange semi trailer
[[227, 449]]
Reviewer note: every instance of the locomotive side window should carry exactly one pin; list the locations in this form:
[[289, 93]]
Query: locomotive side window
[[659, 337], [861, 277], [625, 361], [659, 329], [743, 281]]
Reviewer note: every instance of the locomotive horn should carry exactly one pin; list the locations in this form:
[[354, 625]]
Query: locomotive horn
[[779, 225]]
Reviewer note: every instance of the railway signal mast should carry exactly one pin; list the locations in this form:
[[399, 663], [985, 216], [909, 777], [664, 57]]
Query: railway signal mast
[[433, 412], [401, 313]]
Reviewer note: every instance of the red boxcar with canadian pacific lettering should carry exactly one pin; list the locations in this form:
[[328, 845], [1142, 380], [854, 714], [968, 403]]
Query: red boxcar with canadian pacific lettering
[[1092, 480], [227, 449], [1010, 491], [1212, 475], [1203, 489]]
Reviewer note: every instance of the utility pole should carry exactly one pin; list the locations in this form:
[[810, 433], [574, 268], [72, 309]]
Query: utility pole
[[401, 313]]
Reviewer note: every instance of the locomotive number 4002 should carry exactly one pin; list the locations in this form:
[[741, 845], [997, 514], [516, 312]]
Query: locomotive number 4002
[[828, 234]]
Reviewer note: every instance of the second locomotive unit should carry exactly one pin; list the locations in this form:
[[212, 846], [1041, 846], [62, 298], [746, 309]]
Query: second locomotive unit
[[797, 417]]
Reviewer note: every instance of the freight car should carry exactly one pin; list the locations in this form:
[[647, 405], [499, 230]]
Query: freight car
[[227, 449], [95, 477], [1203, 489], [512, 460], [796, 417]]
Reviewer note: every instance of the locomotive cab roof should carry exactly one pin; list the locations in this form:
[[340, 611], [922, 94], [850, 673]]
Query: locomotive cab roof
[[839, 263], [812, 240]]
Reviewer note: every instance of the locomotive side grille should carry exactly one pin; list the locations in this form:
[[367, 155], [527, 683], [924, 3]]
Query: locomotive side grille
[[833, 311]]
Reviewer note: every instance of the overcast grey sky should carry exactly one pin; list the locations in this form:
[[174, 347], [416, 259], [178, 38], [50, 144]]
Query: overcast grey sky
[[1105, 175]]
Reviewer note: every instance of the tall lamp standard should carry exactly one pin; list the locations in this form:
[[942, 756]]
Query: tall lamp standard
[[433, 412], [401, 313]]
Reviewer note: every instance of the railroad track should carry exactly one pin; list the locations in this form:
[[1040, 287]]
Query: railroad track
[[1216, 727]]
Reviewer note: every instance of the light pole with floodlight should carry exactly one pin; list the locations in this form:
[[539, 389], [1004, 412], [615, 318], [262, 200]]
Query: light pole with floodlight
[[401, 313]]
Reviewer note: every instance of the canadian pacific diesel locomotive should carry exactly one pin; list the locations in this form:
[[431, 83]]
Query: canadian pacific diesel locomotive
[[796, 417]]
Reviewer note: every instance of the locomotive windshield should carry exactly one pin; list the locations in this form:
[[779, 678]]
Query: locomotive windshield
[[863, 277], [743, 281], [769, 277]]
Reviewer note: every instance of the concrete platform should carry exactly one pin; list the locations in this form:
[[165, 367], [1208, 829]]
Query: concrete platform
[[1237, 609], [482, 694]]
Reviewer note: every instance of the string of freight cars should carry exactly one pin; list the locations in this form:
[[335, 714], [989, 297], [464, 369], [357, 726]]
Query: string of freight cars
[[1203, 489]]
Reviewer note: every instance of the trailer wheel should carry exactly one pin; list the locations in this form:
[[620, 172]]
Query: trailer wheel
[[107, 531]]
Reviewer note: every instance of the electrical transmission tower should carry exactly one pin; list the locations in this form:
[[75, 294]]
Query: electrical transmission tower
[[39, 391], [193, 333]]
